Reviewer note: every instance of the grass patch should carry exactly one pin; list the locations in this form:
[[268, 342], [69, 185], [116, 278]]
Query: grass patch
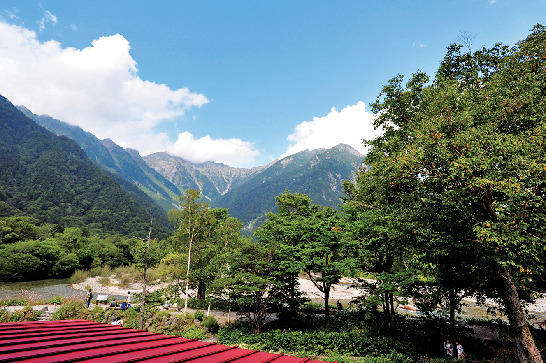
[[79, 276]]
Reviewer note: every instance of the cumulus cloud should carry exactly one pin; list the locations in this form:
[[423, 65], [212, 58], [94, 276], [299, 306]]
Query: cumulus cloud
[[349, 126], [96, 88], [229, 151]]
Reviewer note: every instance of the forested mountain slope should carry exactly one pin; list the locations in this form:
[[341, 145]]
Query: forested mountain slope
[[316, 173], [126, 163], [51, 178]]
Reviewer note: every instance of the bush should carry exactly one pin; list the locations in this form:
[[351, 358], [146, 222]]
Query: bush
[[152, 298], [79, 276], [14, 302], [72, 310], [199, 315], [211, 324], [27, 314], [313, 308], [194, 332], [57, 300], [349, 343]]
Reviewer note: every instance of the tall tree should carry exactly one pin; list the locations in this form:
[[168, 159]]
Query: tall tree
[[325, 253], [474, 137], [192, 221], [284, 232], [147, 255], [203, 238], [384, 245], [251, 283]]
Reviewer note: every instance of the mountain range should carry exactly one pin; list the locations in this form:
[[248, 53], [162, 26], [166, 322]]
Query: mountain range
[[52, 179], [248, 193]]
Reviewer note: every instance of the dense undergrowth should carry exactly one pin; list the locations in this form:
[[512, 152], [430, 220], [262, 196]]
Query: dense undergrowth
[[357, 336], [354, 336], [27, 314]]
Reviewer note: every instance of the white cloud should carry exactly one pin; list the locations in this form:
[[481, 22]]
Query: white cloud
[[12, 14], [349, 126], [419, 45], [229, 151], [96, 88], [47, 17]]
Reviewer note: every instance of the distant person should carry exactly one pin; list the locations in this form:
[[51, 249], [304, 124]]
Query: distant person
[[113, 304], [167, 304], [88, 298], [115, 321], [129, 297], [449, 349], [339, 306], [460, 353], [123, 306]]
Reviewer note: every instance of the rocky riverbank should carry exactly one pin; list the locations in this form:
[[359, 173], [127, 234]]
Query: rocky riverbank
[[342, 291], [114, 287]]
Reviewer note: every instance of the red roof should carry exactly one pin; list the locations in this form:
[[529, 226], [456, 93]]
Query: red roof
[[78, 340]]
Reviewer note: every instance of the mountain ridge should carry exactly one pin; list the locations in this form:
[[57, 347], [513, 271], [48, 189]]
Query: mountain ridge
[[125, 163], [51, 178], [248, 193]]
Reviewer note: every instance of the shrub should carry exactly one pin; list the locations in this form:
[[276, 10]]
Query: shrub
[[79, 276], [153, 298], [27, 314], [313, 308], [125, 280], [350, 343], [199, 315], [57, 300], [71, 310], [211, 324], [14, 302], [194, 332]]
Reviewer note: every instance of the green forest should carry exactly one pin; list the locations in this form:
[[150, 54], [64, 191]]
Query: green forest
[[51, 179], [451, 205]]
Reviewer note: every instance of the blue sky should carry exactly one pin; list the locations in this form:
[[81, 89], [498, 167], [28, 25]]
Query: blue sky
[[238, 82]]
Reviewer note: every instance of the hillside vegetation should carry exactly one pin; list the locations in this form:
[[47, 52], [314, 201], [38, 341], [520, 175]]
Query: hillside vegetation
[[50, 178]]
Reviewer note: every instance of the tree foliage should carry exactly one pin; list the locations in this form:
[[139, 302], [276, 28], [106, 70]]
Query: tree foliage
[[200, 246], [462, 161], [33, 251], [307, 238], [51, 179]]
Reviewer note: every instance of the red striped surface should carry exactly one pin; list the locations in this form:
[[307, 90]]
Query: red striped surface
[[82, 340]]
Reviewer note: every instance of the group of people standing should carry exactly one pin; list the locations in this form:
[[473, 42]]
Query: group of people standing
[[453, 351]]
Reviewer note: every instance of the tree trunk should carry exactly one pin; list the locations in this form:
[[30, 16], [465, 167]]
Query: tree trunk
[[201, 290], [452, 308], [143, 302], [327, 307], [387, 310], [526, 348], [292, 288], [391, 302], [188, 278]]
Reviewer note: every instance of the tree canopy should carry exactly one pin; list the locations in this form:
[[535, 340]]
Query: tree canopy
[[469, 146]]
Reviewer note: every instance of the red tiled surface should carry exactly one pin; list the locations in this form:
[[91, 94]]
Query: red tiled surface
[[86, 341]]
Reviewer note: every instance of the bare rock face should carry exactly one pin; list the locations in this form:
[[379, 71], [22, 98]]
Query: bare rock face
[[250, 193]]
